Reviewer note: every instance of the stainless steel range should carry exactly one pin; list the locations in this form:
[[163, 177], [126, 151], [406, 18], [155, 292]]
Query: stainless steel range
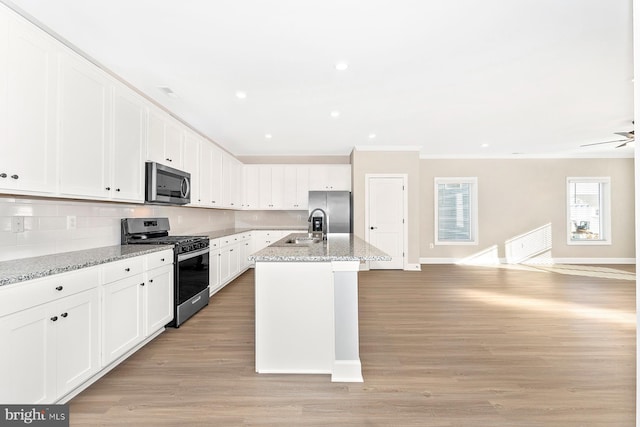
[[191, 262]]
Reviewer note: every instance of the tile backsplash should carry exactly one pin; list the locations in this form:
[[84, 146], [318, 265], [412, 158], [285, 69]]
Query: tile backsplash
[[32, 226]]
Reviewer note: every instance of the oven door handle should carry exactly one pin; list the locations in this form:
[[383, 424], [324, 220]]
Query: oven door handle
[[189, 255]]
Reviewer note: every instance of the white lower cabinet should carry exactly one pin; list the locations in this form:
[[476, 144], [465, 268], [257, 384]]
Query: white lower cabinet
[[57, 333], [53, 347], [137, 301], [214, 266]]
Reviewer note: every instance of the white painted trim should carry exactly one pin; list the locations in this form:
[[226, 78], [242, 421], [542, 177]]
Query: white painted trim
[[412, 267], [347, 371], [405, 197], [387, 148], [618, 154], [631, 261]]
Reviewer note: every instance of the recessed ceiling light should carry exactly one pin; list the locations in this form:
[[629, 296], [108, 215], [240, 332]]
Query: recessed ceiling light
[[168, 91], [335, 114], [268, 136], [372, 135], [485, 145], [341, 66], [241, 95]]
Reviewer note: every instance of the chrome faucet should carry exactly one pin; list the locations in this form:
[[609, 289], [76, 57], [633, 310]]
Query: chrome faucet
[[325, 225]]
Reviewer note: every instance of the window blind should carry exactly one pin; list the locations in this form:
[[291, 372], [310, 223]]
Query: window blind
[[454, 212]]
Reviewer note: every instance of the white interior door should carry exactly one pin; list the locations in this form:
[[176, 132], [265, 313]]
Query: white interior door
[[385, 219]]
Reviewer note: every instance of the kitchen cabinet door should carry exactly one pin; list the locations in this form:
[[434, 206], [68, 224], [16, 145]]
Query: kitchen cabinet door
[[158, 299], [128, 146], [165, 139], [296, 187], [251, 187], [214, 266], [271, 187], [54, 348], [122, 326], [28, 363], [231, 182], [83, 118], [216, 176], [330, 177], [77, 340], [205, 174], [191, 157], [28, 96]]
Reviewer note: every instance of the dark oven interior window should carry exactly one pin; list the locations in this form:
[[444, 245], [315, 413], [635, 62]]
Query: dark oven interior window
[[193, 276]]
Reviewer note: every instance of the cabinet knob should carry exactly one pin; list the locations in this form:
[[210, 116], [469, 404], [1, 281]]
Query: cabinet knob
[[169, 160], [142, 284], [3, 175], [127, 269], [65, 314], [162, 259], [54, 318], [117, 189], [59, 288], [150, 280], [108, 188], [14, 176], [230, 250]]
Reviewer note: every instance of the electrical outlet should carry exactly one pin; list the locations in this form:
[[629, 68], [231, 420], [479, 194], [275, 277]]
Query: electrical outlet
[[71, 222], [17, 224], [430, 245]]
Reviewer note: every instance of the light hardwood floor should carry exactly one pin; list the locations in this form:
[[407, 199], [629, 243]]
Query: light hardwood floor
[[448, 346]]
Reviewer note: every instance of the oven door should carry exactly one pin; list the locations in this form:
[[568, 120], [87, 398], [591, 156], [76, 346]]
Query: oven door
[[192, 283]]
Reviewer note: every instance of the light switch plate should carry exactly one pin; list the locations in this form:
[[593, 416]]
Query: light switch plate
[[17, 224]]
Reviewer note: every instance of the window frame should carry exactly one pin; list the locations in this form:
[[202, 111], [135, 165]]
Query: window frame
[[604, 211], [473, 209]]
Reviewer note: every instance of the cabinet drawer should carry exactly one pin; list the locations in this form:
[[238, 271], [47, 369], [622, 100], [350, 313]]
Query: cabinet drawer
[[122, 269], [214, 244], [159, 259], [229, 240], [21, 296]]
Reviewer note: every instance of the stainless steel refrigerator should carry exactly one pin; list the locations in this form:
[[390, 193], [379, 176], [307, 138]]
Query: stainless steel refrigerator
[[337, 205]]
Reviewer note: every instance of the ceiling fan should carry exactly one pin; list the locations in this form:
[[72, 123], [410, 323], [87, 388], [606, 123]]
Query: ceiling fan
[[629, 138]]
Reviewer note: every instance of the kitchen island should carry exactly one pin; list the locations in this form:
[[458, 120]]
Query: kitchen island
[[306, 299]]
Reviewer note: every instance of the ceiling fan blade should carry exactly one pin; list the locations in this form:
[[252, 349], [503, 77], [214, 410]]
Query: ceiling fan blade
[[605, 142], [626, 134]]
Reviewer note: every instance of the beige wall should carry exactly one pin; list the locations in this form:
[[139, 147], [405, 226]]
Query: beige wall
[[396, 162], [516, 196]]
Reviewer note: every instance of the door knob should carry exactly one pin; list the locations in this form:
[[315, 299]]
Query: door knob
[[373, 228]]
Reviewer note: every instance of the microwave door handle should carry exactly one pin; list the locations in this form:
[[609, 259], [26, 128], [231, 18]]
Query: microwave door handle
[[184, 188]]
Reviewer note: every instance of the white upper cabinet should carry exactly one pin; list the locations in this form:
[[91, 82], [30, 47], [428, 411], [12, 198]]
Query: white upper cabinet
[[330, 177], [128, 146], [271, 187], [251, 192], [296, 187], [83, 132], [191, 164], [165, 139], [231, 182], [210, 175], [28, 73]]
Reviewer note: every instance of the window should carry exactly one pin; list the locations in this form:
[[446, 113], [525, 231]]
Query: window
[[456, 211], [588, 211]]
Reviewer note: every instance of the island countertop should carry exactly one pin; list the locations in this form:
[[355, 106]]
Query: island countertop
[[337, 247]]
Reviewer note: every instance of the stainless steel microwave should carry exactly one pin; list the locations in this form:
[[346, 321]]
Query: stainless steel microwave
[[167, 186]]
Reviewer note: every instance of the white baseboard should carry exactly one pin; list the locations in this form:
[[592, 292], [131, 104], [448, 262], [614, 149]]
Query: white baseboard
[[412, 267], [347, 371], [549, 261]]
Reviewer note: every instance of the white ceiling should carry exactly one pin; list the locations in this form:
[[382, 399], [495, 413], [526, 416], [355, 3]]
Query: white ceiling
[[535, 77]]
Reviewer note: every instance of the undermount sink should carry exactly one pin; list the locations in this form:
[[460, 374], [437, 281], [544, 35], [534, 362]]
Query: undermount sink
[[302, 241]]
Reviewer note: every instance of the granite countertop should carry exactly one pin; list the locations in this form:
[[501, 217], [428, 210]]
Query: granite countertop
[[230, 231], [19, 270], [337, 247]]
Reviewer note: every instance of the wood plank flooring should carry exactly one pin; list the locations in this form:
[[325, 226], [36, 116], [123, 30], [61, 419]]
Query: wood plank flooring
[[448, 346]]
